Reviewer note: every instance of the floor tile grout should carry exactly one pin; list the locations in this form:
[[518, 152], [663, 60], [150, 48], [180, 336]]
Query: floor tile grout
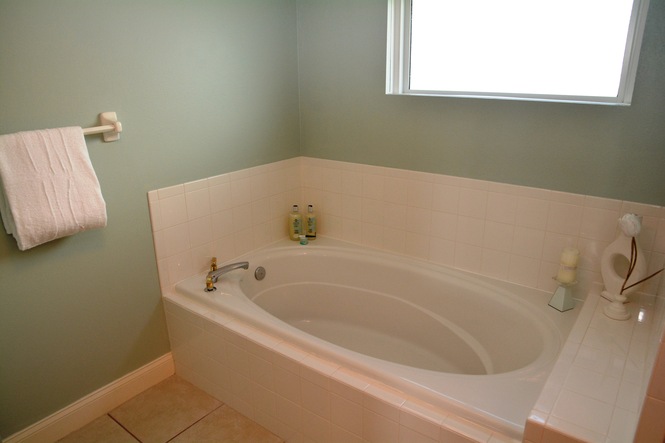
[[144, 415], [194, 423], [124, 428]]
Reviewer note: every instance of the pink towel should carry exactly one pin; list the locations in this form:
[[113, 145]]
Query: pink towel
[[49, 188]]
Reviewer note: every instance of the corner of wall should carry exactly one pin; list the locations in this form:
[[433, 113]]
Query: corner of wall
[[222, 216]]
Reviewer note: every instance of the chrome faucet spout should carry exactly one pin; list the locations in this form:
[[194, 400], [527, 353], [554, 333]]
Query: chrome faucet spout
[[214, 275]]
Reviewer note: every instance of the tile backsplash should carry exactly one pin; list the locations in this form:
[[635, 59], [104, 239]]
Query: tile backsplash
[[222, 216], [512, 233]]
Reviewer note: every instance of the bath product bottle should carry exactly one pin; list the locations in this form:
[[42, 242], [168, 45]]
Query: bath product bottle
[[295, 223], [310, 223]]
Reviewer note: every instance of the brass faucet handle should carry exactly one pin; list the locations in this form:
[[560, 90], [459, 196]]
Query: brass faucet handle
[[213, 264], [210, 284]]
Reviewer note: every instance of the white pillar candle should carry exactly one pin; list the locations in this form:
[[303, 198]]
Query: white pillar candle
[[570, 257], [566, 274]]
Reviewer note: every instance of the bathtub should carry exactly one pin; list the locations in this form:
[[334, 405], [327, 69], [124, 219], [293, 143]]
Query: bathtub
[[462, 343]]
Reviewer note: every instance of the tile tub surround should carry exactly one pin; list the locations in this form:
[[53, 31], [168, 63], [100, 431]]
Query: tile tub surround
[[299, 396], [593, 394], [507, 232], [222, 216], [599, 390], [511, 233]]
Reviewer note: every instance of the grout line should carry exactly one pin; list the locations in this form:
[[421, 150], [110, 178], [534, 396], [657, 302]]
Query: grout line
[[126, 430], [196, 422]]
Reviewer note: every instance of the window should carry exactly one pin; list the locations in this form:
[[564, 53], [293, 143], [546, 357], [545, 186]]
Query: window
[[581, 51]]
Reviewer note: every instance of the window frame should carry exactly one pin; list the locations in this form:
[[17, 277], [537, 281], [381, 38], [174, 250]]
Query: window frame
[[398, 62]]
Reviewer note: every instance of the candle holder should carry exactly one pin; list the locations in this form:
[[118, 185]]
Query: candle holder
[[562, 299], [616, 310]]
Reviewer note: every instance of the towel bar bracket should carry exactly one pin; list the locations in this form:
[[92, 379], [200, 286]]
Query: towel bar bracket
[[111, 127]]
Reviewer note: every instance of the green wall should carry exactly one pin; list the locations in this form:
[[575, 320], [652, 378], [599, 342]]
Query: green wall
[[202, 87], [615, 152]]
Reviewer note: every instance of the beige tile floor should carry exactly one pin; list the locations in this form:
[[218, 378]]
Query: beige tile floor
[[172, 411]]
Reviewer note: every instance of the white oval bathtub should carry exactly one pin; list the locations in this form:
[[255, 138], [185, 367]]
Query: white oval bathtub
[[475, 346]]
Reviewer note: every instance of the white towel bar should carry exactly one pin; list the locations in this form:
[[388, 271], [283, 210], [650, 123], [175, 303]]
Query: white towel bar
[[111, 127]]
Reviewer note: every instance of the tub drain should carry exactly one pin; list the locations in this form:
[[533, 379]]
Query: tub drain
[[260, 273]]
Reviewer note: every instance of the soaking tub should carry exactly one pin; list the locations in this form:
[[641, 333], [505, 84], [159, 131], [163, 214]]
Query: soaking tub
[[469, 345]]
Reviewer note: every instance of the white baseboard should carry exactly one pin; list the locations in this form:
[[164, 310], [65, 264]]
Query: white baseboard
[[94, 405]]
